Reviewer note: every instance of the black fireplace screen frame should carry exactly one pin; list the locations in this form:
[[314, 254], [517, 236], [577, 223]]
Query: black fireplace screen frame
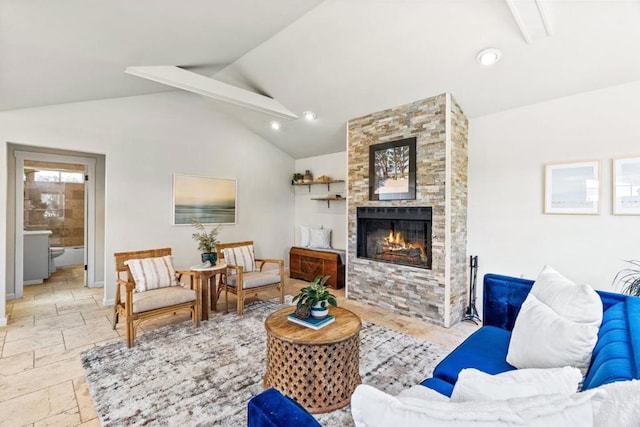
[[412, 213]]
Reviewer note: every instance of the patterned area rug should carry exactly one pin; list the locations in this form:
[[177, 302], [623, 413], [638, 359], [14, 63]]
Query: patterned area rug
[[180, 375]]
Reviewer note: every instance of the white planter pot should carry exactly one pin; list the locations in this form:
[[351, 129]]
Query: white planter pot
[[317, 310]]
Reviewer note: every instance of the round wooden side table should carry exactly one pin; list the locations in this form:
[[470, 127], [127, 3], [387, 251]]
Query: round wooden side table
[[319, 369]]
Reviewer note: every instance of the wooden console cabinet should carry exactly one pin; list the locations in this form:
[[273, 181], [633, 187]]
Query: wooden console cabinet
[[306, 264]]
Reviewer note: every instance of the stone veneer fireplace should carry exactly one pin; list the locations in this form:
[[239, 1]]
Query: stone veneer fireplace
[[430, 281]]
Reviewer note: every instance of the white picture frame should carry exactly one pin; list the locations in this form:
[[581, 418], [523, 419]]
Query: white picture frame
[[626, 185], [572, 188], [207, 199]]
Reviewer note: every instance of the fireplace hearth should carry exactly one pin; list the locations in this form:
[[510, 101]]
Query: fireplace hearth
[[397, 235]]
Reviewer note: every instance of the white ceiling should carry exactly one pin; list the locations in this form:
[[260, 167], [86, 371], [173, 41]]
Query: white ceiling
[[339, 58]]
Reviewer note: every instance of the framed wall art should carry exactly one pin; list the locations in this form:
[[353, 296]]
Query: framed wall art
[[208, 200], [392, 170], [572, 188], [626, 186]]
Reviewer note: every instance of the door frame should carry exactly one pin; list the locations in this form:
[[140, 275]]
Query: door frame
[[90, 216]]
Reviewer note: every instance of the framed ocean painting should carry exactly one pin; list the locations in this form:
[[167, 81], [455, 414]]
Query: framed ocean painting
[[208, 200]]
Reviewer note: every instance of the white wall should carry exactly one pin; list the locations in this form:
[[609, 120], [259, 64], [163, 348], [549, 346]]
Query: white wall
[[314, 212], [507, 153], [145, 140]]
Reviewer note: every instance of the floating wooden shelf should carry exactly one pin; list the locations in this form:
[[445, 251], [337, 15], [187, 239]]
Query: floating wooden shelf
[[330, 199], [328, 183]]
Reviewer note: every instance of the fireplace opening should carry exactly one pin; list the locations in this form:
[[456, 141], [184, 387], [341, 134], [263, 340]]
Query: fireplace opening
[[397, 235]]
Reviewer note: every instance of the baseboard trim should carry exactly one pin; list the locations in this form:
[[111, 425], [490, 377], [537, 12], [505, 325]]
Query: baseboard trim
[[11, 296], [3, 321], [97, 285], [108, 302]]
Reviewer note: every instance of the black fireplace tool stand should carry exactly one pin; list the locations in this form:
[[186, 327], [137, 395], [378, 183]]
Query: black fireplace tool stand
[[471, 313]]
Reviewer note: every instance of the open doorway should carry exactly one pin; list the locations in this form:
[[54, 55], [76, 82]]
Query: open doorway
[[51, 214], [54, 208]]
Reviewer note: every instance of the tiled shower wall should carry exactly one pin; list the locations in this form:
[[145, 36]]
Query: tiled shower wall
[[65, 217]]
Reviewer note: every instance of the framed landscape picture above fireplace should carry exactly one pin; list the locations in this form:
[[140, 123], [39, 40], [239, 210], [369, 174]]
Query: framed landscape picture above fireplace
[[392, 170]]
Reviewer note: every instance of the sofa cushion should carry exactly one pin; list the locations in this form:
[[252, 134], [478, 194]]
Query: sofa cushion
[[272, 409], [477, 385], [163, 297], [485, 350], [557, 325], [613, 357], [373, 408], [441, 386]]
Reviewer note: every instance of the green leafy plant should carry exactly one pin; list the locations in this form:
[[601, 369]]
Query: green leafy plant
[[297, 177], [317, 291], [207, 240], [629, 278]]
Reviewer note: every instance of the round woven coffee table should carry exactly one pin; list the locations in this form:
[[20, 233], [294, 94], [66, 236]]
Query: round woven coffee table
[[319, 369]]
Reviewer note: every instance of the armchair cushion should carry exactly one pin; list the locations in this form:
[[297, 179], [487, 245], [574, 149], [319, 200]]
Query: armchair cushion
[[152, 273], [163, 297], [241, 256], [254, 279]]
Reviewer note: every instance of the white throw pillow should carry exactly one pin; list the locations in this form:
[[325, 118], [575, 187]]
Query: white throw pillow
[[241, 256], [373, 408], [320, 239], [557, 324], [305, 234], [152, 273], [473, 384]]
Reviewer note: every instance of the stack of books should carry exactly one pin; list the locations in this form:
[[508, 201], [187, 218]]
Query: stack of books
[[311, 322]]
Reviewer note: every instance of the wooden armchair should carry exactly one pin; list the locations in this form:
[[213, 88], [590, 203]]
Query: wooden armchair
[[158, 293], [245, 275]]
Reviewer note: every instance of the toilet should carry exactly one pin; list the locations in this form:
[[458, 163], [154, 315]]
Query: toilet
[[54, 252]]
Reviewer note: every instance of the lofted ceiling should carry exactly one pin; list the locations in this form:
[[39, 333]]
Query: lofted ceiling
[[339, 58]]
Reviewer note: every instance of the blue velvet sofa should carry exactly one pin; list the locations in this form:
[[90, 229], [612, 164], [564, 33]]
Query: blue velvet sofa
[[616, 356]]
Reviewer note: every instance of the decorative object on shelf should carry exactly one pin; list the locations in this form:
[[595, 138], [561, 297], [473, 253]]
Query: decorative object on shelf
[[323, 178], [572, 188], [626, 186], [298, 178], [471, 314], [208, 200], [629, 278], [316, 297], [207, 241], [308, 177], [392, 170]]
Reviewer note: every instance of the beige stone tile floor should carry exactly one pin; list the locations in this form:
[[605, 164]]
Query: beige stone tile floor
[[41, 379]]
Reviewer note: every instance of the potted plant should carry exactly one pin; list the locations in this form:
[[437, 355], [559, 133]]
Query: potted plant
[[629, 278], [207, 241], [298, 178], [315, 299]]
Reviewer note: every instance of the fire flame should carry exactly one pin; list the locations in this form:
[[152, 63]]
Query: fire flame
[[396, 238], [397, 242]]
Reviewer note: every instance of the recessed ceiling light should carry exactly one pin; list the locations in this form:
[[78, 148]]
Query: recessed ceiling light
[[488, 56], [275, 125], [309, 115]]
